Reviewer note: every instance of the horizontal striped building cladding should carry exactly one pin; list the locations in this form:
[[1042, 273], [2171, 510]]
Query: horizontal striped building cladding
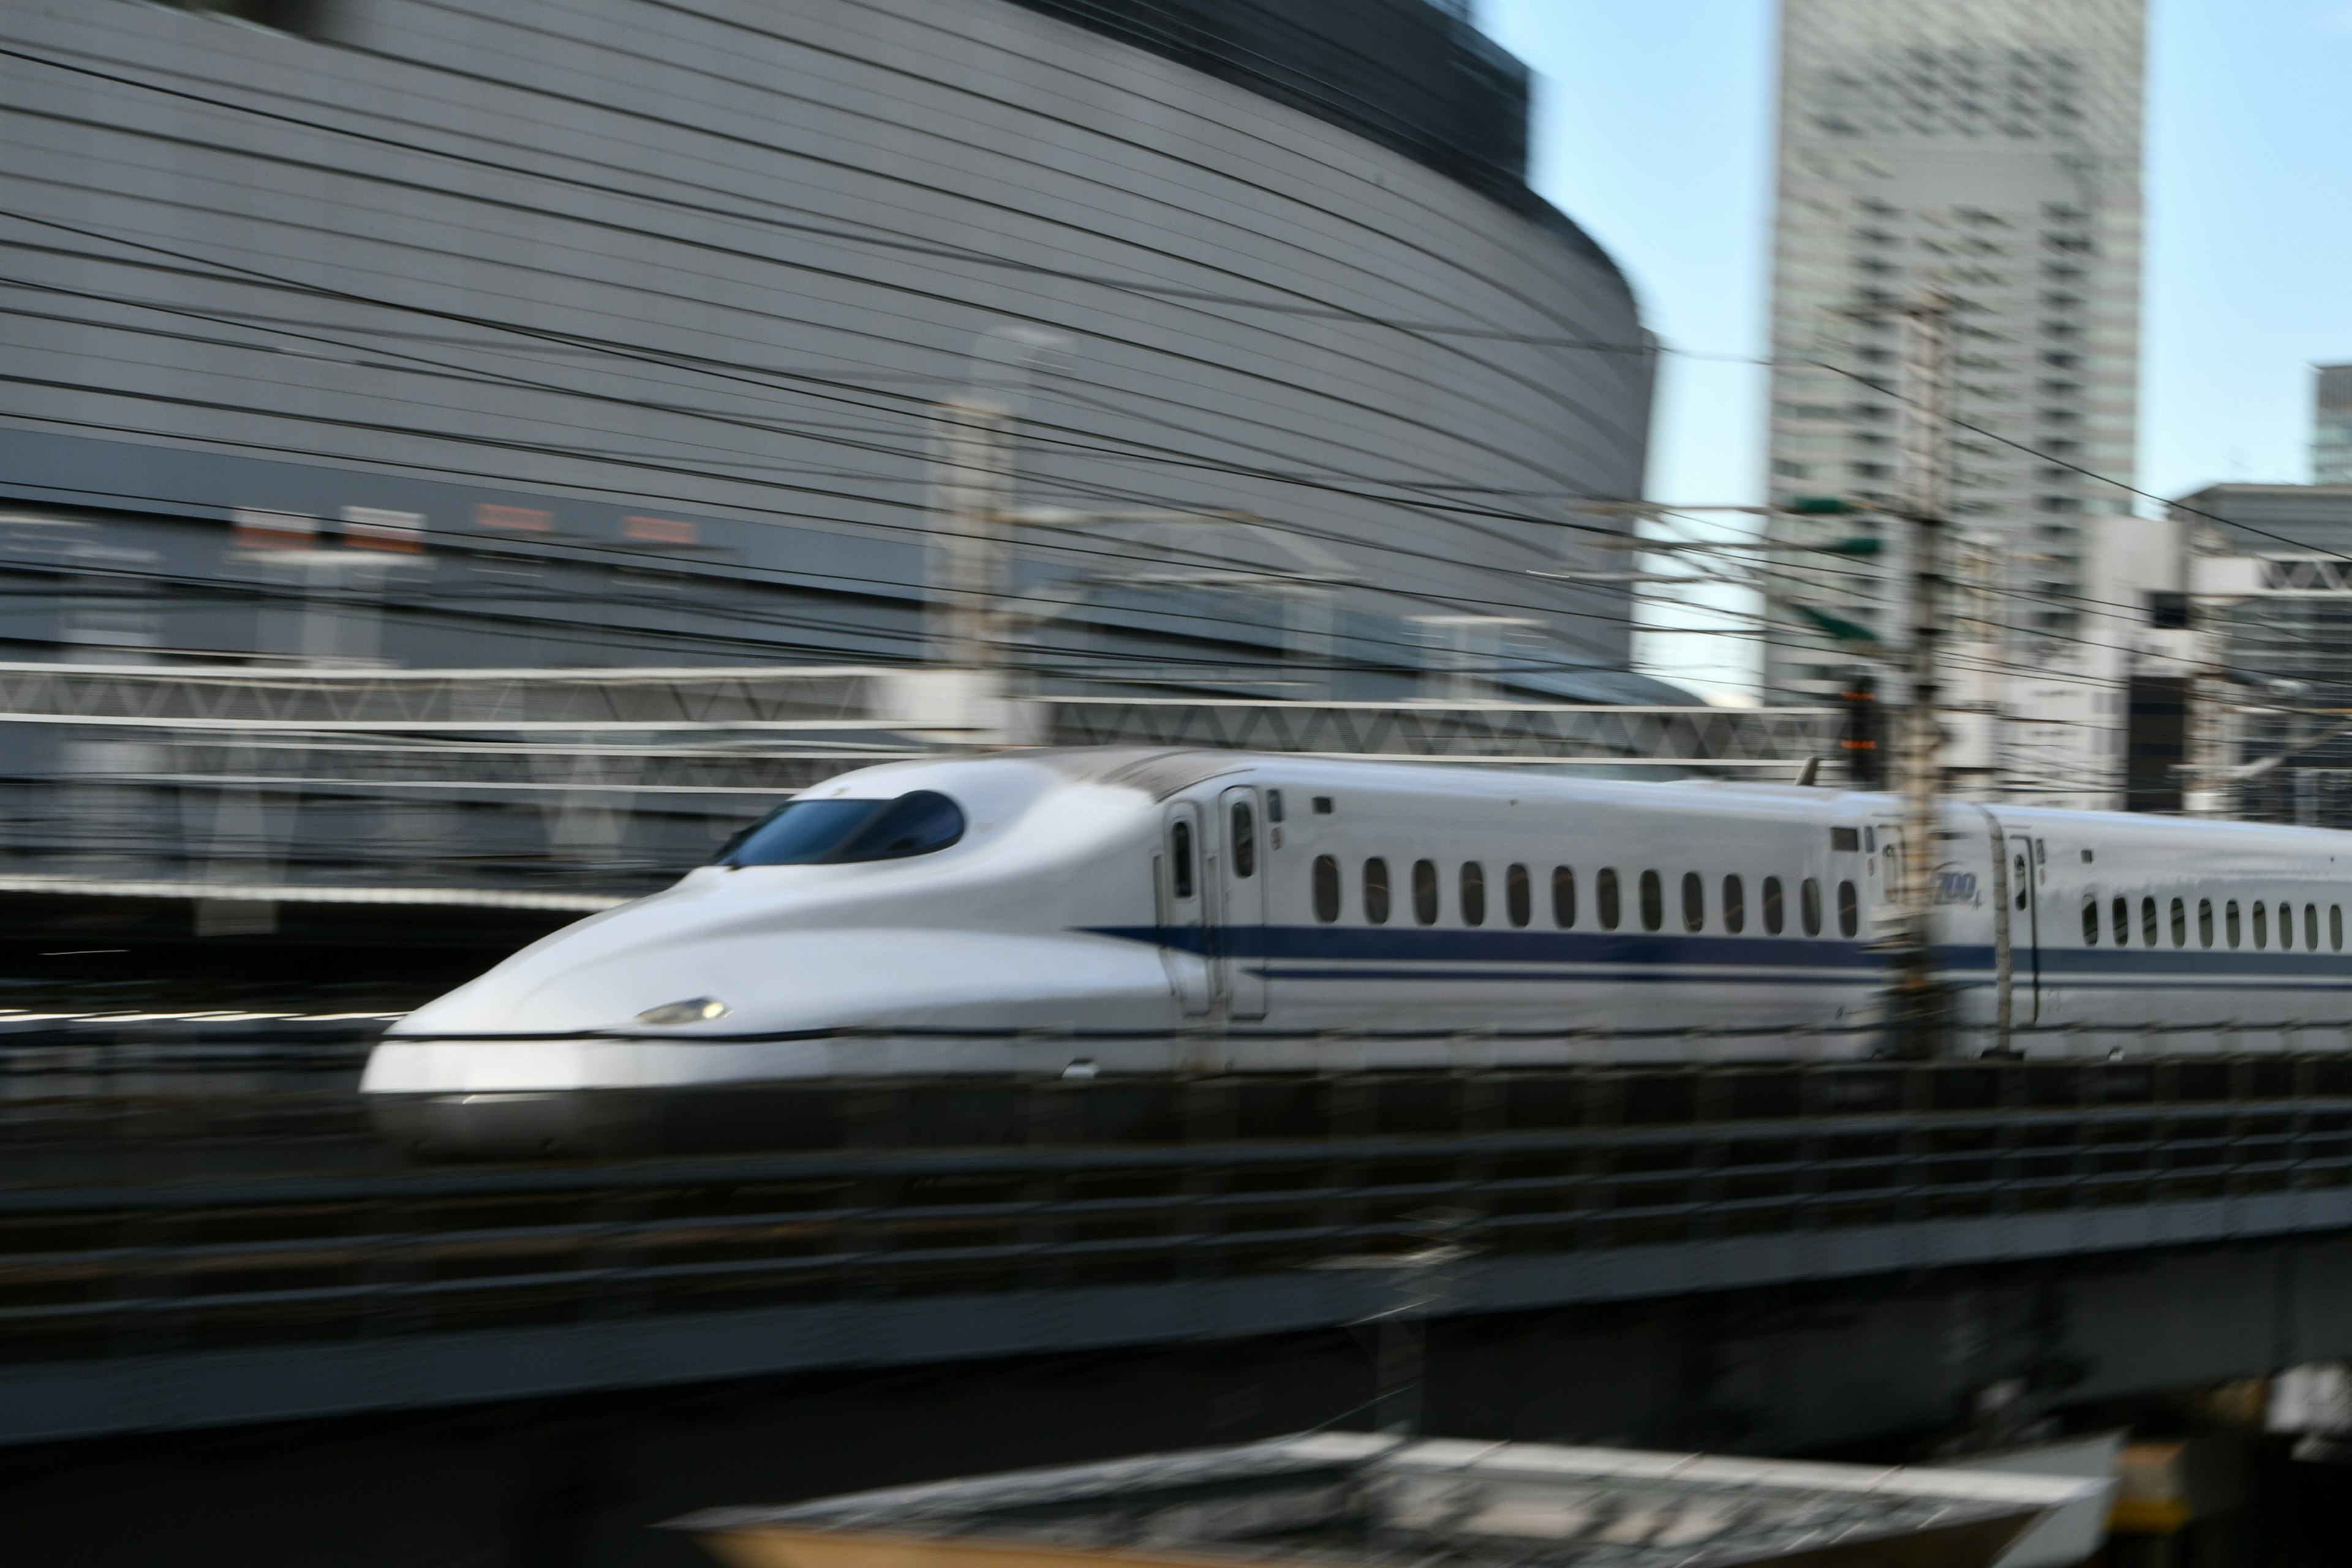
[[617, 331]]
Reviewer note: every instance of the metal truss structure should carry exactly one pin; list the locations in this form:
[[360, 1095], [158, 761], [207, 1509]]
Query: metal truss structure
[[318, 783], [1769, 741]]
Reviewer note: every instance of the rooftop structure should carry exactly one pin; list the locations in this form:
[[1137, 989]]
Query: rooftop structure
[[2331, 426], [2286, 643], [1358, 1499]]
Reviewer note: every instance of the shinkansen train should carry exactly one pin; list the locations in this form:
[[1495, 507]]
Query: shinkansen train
[[1124, 911]]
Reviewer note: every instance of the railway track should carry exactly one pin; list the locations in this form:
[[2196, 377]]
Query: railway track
[[138, 1224]]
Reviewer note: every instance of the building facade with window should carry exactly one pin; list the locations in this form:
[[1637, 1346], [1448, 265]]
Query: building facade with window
[[1987, 152], [2331, 426], [590, 332]]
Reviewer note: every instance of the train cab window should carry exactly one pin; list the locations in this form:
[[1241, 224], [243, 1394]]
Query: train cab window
[[2230, 921], [1326, 889], [1376, 891], [2147, 922], [1775, 916], [2311, 928], [1563, 897], [2262, 925], [1849, 910], [1180, 858], [2090, 922], [1693, 901], [1474, 893], [2180, 923], [1653, 901], [2019, 879], [838, 832], [2204, 922], [1605, 895], [1424, 891], [1322, 805], [1735, 906], [2336, 928], [1518, 902], [1809, 907], [1844, 840], [2123, 922], [1244, 839]]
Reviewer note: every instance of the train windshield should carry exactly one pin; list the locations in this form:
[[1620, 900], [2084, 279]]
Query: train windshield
[[834, 832]]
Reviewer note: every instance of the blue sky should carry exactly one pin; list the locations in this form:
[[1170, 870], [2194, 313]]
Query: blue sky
[[1654, 130]]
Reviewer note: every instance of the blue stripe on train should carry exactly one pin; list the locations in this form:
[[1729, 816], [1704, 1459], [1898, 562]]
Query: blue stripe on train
[[1636, 955]]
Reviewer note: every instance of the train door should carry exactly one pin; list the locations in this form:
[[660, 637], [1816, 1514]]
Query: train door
[[1882, 875], [2018, 928], [1183, 906], [1241, 894]]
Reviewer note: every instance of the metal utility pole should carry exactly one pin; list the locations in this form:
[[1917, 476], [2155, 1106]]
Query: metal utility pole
[[2206, 788], [970, 504], [1918, 1013]]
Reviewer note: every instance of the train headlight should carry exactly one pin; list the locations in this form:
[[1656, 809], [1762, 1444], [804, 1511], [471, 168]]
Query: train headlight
[[693, 1010]]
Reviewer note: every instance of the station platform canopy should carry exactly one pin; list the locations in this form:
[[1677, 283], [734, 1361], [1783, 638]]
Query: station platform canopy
[[1345, 1498]]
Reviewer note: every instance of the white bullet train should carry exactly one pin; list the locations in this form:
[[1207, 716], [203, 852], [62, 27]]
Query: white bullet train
[[1127, 911]]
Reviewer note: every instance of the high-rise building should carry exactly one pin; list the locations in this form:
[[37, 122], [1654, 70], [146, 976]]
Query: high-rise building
[[2331, 426], [1988, 151]]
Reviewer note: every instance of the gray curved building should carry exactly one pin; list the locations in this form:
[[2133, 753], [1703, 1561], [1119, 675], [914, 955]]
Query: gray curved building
[[593, 332]]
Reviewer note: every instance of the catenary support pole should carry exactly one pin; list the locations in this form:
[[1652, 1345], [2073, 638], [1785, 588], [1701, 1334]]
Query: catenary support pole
[[1918, 1013]]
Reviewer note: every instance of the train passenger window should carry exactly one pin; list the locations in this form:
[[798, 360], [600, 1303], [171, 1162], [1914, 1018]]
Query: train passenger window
[[837, 832], [1606, 894], [2336, 928], [1693, 901], [1775, 917], [1474, 893], [1809, 907], [1653, 901], [1244, 839], [2286, 925], [1424, 891], [1563, 897], [1376, 891], [1179, 855], [1326, 889], [1849, 910], [2180, 923], [2147, 922], [2311, 928], [1735, 906], [2204, 922], [2230, 921], [1518, 901], [2123, 922], [2090, 922], [2261, 924]]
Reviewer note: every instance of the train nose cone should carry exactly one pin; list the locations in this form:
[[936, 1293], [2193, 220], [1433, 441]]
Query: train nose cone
[[604, 973]]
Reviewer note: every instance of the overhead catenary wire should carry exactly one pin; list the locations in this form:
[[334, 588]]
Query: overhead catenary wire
[[1611, 536], [1141, 287]]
